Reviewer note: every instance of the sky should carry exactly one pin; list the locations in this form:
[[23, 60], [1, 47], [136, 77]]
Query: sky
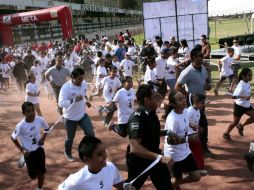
[[219, 7]]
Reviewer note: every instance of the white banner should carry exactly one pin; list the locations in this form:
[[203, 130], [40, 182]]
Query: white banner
[[152, 28], [168, 28], [192, 19], [159, 9]]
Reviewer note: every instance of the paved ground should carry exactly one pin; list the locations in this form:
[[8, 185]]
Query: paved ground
[[226, 172]]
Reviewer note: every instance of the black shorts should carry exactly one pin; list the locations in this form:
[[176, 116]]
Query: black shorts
[[230, 77], [35, 162], [186, 165], [239, 110], [235, 68]]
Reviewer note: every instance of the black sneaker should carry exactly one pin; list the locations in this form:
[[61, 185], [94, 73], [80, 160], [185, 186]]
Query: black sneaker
[[69, 157], [249, 161], [240, 129], [227, 137]]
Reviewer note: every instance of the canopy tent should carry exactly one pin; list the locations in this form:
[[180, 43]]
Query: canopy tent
[[60, 13]]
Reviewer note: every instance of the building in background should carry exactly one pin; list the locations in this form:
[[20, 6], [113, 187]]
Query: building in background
[[88, 16]]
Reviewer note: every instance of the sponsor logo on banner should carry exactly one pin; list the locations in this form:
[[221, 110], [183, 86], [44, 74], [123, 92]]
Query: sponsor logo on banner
[[29, 19], [7, 19], [53, 14]]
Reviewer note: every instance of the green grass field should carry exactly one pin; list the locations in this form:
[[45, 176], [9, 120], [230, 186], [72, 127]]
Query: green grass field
[[223, 28]]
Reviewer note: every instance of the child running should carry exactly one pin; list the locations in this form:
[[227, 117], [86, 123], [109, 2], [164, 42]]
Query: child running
[[225, 70], [194, 117], [111, 84], [32, 93], [242, 95], [27, 138], [178, 123], [101, 72], [125, 98], [37, 71], [97, 173]]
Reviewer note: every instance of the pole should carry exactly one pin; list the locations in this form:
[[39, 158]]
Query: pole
[[176, 22], [215, 35]]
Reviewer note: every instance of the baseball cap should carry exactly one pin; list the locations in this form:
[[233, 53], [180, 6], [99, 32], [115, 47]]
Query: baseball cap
[[165, 50]]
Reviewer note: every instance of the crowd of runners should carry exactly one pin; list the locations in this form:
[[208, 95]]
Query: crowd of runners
[[170, 77]]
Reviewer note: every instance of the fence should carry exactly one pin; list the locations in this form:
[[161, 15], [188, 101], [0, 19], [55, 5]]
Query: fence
[[46, 32]]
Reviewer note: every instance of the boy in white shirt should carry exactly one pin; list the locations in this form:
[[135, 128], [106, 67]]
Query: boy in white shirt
[[97, 173], [127, 66], [225, 69], [111, 84], [125, 98], [101, 72], [37, 71], [150, 77], [27, 133]]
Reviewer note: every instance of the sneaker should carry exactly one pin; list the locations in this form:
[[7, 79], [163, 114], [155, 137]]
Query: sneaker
[[21, 162], [227, 137], [240, 129], [249, 161], [69, 157], [216, 92], [203, 172]]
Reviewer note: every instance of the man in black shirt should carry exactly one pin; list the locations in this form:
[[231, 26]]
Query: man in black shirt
[[144, 134]]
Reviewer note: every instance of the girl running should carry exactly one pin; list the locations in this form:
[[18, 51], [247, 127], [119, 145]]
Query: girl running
[[242, 104], [32, 93], [177, 122]]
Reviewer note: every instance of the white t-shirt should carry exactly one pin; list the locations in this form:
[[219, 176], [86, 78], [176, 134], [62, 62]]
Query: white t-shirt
[[69, 64], [149, 75], [44, 62], [194, 117], [226, 66], [38, 76], [160, 68], [242, 89], [109, 87], [29, 133], [171, 68], [5, 70], [127, 67], [132, 50], [178, 124], [32, 88], [238, 50], [184, 51], [68, 92], [125, 99], [100, 71], [85, 180]]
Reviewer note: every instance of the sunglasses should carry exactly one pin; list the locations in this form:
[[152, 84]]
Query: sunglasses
[[235, 42]]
